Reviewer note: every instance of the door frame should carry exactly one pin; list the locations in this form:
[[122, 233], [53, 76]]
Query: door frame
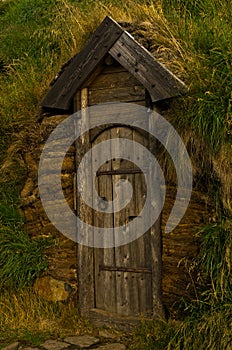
[[85, 254]]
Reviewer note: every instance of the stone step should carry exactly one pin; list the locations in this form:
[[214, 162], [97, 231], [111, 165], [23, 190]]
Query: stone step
[[73, 343]]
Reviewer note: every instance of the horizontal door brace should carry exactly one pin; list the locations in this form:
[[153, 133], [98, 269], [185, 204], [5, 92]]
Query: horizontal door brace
[[120, 171], [125, 269]]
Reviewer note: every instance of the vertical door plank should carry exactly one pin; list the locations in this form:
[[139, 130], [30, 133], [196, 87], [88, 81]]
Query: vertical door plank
[[125, 256], [122, 253], [104, 280], [133, 289], [142, 244]]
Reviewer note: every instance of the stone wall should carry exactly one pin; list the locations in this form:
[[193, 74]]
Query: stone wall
[[60, 280], [181, 246]]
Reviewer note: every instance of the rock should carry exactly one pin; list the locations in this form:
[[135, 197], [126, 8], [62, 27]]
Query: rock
[[105, 333], [114, 346], [12, 346], [83, 341], [52, 289], [28, 188], [55, 345]]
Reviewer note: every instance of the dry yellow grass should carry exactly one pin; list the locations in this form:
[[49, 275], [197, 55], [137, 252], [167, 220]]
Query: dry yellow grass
[[24, 313]]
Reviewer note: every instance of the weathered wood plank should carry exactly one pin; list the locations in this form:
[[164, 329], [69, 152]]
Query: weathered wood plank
[[103, 70], [126, 288], [105, 293], [133, 289], [97, 71], [96, 116], [114, 80], [114, 69], [82, 65], [120, 94], [156, 238], [123, 323], [157, 79], [143, 243], [85, 254]]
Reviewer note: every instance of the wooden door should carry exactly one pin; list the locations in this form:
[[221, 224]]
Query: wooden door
[[125, 280], [122, 275]]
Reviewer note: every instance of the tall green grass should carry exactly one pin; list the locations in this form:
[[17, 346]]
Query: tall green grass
[[21, 259], [215, 260], [204, 30]]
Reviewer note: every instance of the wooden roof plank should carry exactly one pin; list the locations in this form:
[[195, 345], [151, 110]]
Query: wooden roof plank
[[82, 65], [157, 79]]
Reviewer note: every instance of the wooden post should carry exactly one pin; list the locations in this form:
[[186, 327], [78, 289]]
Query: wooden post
[[156, 241], [85, 254]]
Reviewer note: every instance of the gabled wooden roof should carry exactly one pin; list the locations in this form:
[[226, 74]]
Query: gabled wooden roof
[[110, 38]]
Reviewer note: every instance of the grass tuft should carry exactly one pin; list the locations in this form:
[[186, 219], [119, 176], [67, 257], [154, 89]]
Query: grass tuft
[[21, 259], [216, 261], [26, 317], [210, 331]]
